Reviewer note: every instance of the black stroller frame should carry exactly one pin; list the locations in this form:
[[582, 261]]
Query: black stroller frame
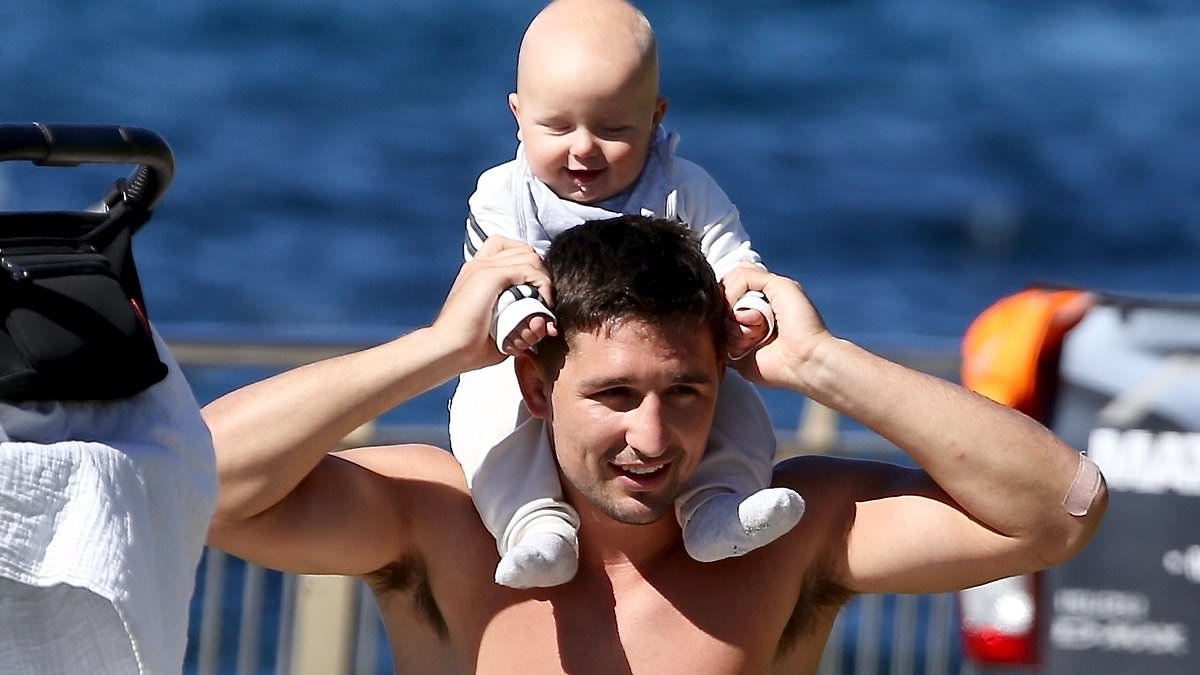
[[74, 324]]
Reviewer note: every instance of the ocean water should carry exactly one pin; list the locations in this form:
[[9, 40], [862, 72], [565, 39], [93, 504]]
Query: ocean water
[[909, 161]]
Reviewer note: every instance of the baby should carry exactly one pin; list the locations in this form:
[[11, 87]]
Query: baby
[[588, 110]]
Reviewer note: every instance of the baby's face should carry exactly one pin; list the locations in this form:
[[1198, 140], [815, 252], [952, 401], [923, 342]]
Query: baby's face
[[587, 132]]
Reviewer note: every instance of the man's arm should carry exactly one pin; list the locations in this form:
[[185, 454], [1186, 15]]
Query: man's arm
[[990, 499], [284, 500]]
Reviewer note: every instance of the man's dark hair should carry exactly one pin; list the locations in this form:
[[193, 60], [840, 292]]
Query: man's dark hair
[[632, 267]]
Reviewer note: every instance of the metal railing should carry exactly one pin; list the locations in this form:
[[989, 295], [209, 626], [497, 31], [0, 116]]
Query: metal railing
[[249, 621]]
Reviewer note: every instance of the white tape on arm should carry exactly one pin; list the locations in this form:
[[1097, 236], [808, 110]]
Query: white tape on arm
[[757, 301], [1084, 488], [513, 307]]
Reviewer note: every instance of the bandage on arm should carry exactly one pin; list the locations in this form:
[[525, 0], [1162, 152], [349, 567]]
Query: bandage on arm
[[514, 306], [1084, 488]]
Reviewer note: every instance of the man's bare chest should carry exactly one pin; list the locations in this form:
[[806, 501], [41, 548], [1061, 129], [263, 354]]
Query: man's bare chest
[[679, 622]]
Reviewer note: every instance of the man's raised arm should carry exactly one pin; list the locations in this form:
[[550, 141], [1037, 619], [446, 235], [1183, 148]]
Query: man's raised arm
[[284, 501], [994, 496]]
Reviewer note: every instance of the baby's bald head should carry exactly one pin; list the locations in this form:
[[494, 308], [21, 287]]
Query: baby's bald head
[[602, 38], [587, 104]]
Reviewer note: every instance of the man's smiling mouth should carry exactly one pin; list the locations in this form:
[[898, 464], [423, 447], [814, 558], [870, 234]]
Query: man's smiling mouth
[[641, 477], [641, 470]]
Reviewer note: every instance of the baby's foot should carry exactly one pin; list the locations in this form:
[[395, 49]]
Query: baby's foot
[[540, 560], [734, 524], [521, 319], [753, 325]]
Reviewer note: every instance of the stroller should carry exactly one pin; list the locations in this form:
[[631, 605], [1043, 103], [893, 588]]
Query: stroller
[[107, 471], [74, 321]]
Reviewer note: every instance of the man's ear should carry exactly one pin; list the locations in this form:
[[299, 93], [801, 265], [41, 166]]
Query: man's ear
[[514, 105], [534, 387], [660, 109]]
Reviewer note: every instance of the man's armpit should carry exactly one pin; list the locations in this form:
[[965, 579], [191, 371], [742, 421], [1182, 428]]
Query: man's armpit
[[409, 576], [818, 594]]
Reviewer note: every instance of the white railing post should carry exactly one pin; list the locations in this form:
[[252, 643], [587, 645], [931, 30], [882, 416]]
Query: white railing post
[[818, 429], [323, 625]]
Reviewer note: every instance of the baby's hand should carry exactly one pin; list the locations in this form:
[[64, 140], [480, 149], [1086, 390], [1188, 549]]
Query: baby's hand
[[752, 324], [528, 333]]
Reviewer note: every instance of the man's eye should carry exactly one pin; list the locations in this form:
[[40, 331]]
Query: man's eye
[[689, 395], [614, 393], [620, 399]]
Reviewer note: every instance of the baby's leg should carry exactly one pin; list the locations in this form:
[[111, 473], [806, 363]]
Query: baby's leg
[[727, 508], [513, 479]]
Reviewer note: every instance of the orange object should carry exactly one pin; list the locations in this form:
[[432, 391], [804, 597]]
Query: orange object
[[1010, 352]]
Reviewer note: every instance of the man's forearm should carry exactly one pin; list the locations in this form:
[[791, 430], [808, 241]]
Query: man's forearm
[[1003, 468], [269, 435]]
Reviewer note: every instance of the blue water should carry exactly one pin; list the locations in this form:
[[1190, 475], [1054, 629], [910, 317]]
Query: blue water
[[909, 161]]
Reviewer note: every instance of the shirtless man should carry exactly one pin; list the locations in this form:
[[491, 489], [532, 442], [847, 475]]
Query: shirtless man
[[627, 391]]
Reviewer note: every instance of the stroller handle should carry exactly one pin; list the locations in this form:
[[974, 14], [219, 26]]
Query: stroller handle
[[75, 144]]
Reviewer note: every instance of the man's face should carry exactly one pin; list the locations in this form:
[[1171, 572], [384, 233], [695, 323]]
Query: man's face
[[587, 127], [630, 414]]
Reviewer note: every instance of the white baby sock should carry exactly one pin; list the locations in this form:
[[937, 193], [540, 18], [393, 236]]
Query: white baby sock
[[733, 524], [547, 554], [756, 300]]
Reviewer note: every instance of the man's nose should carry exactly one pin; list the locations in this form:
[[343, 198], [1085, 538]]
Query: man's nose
[[648, 432]]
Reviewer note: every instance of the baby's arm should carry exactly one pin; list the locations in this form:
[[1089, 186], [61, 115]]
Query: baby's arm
[[522, 317], [706, 208]]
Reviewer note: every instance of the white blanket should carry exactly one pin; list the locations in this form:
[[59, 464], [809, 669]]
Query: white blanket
[[104, 507]]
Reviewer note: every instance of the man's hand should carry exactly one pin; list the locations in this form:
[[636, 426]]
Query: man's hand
[[466, 315], [799, 327]]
